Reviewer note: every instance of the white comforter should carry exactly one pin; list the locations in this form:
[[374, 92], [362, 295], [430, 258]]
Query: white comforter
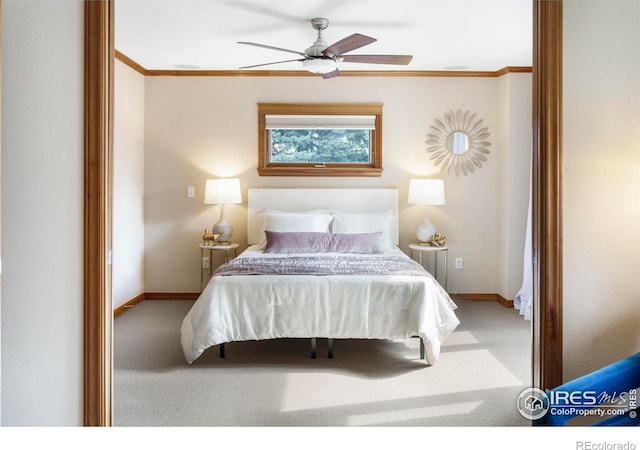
[[256, 307]]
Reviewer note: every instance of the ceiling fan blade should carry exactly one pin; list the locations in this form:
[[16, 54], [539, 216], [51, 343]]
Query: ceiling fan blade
[[272, 48], [268, 64], [335, 73], [256, 8], [348, 44], [378, 59]]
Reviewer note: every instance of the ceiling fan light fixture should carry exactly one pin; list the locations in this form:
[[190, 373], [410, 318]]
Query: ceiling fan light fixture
[[319, 65]]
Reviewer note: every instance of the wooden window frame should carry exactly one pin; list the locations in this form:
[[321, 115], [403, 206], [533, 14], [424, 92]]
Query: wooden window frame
[[267, 168]]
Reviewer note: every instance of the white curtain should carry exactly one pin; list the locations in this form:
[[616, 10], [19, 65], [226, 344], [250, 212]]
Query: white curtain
[[524, 297]]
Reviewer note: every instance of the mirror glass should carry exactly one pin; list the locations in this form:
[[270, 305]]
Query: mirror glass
[[458, 142]]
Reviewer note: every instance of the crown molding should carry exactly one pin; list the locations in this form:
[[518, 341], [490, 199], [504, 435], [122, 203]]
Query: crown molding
[[130, 62], [303, 73]]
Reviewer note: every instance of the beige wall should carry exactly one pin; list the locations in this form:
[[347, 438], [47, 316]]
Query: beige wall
[[514, 112], [200, 127], [42, 212], [128, 185], [601, 183]]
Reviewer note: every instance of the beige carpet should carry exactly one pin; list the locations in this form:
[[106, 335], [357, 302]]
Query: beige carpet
[[482, 369]]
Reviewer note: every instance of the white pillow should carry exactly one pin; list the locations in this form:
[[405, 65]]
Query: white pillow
[[306, 221], [310, 211], [261, 215], [345, 223]]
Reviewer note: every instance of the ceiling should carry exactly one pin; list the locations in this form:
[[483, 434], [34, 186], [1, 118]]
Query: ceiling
[[473, 35]]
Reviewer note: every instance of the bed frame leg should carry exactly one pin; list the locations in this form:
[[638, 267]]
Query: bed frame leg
[[421, 348], [313, 348], [221, 350], [330, 348]]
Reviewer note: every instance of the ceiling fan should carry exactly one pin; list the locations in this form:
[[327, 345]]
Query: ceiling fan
[[323, 59]]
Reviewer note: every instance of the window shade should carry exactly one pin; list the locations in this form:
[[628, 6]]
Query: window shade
[[292, 122]]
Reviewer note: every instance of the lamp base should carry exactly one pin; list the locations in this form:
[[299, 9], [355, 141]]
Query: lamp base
[[225, 230], [425, 232]]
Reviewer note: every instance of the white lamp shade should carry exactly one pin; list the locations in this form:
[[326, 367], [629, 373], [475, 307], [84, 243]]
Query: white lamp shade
[[222, 191], [426, 191]]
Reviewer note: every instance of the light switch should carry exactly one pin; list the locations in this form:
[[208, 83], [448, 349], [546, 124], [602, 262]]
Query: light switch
[[191, 191]]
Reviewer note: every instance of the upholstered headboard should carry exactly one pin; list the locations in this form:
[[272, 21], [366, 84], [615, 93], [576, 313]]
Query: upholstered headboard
[[375, 200]]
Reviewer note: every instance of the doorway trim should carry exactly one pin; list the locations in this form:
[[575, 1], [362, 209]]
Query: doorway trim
[[547, 194], [547, 206], [98, 141]]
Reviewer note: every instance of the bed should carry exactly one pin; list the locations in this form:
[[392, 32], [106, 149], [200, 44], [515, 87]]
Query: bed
[[321, 263]]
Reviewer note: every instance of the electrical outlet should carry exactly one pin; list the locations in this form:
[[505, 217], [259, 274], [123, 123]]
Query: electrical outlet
[[205, 262], [191, 191], [458, 263]]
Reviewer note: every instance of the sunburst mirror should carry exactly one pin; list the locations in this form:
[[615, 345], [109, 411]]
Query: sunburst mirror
[[459, 142]]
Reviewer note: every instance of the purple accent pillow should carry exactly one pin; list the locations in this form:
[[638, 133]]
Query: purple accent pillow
[[311, 242]]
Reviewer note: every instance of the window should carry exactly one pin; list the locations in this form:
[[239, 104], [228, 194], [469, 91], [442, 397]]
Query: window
[[320, 139]]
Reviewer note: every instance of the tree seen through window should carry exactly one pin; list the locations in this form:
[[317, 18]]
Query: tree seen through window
[[320, 145]]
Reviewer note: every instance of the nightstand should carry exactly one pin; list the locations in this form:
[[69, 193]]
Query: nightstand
[[432, 249], [230, 251]]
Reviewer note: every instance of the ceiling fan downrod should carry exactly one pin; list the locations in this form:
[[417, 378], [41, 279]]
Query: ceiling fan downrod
[[319, 45]]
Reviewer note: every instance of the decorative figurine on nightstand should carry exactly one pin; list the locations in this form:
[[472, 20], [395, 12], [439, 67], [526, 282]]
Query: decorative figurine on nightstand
[[210, 239], [438, 240]]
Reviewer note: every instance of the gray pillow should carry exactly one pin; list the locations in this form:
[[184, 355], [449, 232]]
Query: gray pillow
[[313, 242]]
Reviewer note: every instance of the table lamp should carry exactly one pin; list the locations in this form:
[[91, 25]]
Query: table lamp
[[426, 192], [222, 191]]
